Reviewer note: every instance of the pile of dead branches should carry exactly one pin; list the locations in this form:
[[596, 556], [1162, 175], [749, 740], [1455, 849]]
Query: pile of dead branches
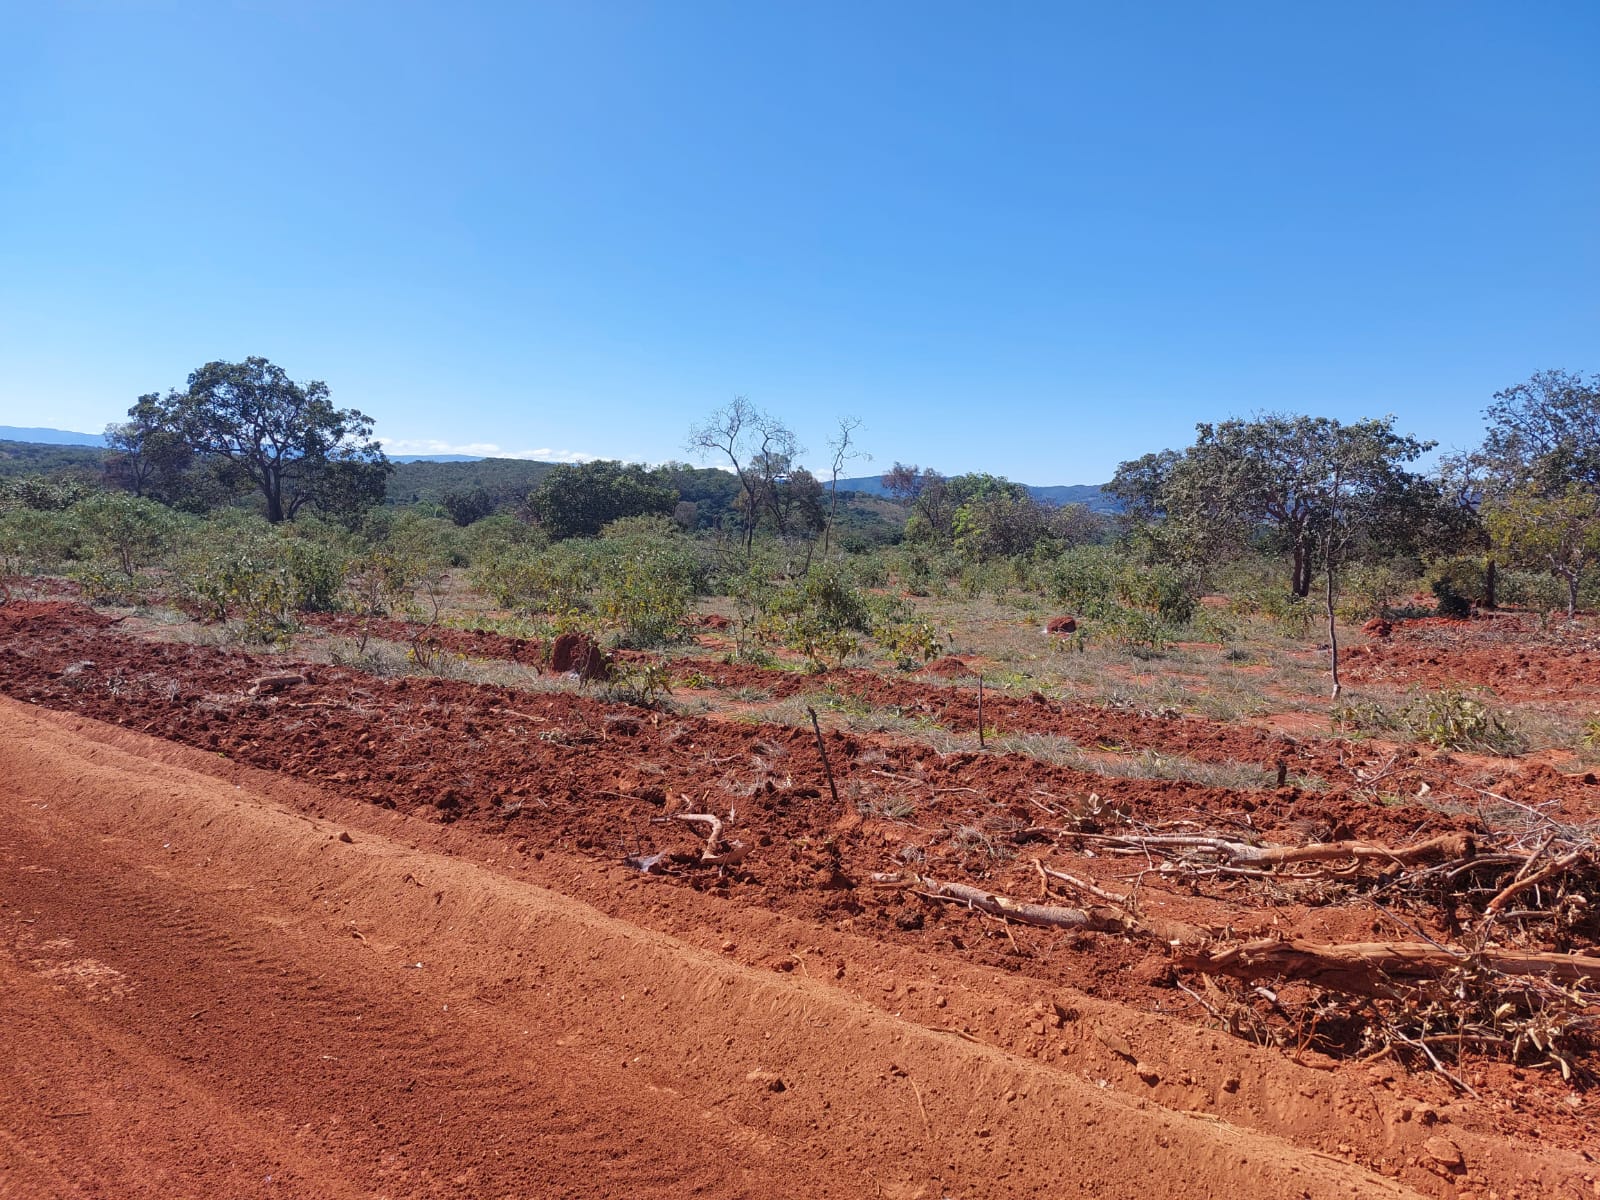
[[1513, 975]]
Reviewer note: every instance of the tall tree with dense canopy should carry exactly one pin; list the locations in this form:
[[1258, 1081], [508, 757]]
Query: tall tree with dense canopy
[[1280, 477], [580, 500], [282, 438]]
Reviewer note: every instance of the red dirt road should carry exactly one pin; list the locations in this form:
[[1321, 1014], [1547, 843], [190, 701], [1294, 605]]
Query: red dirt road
[[205, 991]]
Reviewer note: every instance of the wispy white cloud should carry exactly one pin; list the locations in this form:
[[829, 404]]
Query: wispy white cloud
[[481, 450]]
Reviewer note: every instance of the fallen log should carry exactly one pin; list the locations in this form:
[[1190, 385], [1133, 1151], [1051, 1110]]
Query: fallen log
[[1050, 916], [1384, 970], [1444, 848]]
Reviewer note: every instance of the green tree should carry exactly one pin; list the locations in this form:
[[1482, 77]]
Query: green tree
[[1545, 434], [999, 524], [582, 499], [1285, 479], [1559, 533], [147, 457], [282, 438], [1140, 485], [925, 493], [466, 505], [1538, 473]]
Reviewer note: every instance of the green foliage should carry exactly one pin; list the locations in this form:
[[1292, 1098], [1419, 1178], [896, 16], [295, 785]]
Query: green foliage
[[910, 639], [1136, 629], [1451, 719], [507, 480], [249, 424], [644, 684], [819, 614], [639, 579], [1307, 486], [1460, 575], [1100, 581], [128, 532], [467, 505], [1589, 738], [535, 579], [646, 594], [1000, 522], [234, 570], [41, 458], [1534, 590], [1451, 603], [36, 541], [1558, 531], [40, 493], [580, 500], [1376, 589]]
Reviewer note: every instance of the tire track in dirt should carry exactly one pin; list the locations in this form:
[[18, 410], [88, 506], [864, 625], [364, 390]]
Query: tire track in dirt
[[443, 1120], [542, 1049]]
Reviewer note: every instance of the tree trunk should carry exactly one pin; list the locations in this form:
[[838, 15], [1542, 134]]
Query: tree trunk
[[1333, 630], [1489, 586], [274, 497], [1301, 582], [1572, 594]]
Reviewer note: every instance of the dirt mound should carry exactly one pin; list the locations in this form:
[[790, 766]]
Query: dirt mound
[[580, 653], [1062, 625], [1377, 628], [950, 666]]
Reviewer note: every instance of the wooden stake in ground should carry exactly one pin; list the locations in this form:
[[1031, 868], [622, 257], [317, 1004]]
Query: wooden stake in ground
[[980, 712], [822, 749]]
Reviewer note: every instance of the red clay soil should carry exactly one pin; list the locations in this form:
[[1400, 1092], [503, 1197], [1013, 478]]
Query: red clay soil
[[477, 643], [221, 983], [561, 788], [1515, 655]]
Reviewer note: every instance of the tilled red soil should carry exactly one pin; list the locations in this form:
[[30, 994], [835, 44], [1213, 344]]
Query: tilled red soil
[[568, 776], [945, 694], [1516, 655]]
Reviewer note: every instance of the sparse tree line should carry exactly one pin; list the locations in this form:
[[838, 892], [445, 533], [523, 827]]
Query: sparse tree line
[[249, 497]]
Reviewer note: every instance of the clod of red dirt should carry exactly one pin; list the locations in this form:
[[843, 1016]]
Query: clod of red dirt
[[1062, 625], [1377, 628], [579, 652], [714, 621], [949, 666]]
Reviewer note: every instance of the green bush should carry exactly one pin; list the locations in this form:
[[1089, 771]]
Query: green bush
[[127, 532], [1450, 718], [820, 614], [232, 569], [1101, 581], [39, 541]]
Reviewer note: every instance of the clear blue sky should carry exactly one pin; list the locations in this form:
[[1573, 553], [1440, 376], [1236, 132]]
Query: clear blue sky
[[1033, 239]]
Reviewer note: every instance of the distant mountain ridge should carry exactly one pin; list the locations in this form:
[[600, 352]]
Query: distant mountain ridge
[[49, 437], [1087, 494], [870, 485]]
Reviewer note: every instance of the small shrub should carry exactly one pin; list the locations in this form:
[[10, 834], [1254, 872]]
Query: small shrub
[[1451, 719], [1451, 603]]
